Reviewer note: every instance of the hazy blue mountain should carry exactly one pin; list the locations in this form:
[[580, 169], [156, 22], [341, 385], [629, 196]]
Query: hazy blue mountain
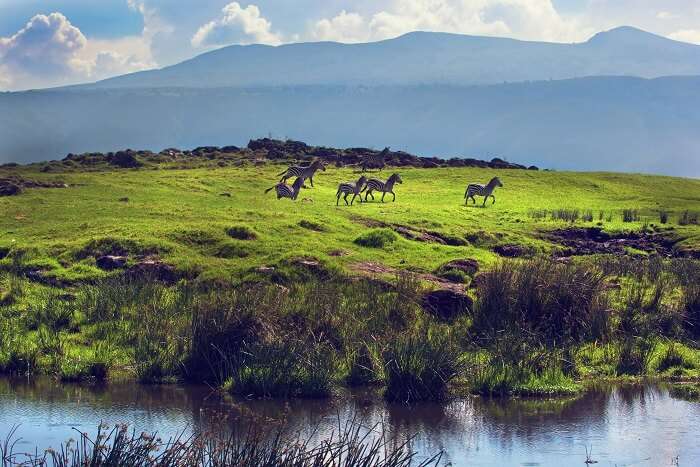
[[426, 58], [603, 123]]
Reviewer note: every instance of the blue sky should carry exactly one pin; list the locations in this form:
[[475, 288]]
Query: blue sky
[[54, 42]]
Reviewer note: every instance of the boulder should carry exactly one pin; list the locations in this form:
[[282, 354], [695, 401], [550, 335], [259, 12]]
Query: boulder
[[9, 188], [447, 305], [125, 160]]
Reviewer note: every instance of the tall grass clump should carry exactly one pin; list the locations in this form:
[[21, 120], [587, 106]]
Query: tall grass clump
[[420, 367], [688, 218], [241, 232], [630, 215], [566, 215], [377, 238], [663, 216], [549, 303]]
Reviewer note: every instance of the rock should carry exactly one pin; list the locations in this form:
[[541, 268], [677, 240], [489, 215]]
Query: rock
[[124, 200], [8, 188], [510, 251], [226, 194], [125, 160], [265, 269], [447, 305], [469, 266], [111, 262]]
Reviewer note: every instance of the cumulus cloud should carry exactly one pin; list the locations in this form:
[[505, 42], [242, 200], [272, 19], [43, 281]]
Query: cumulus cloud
[[686, 35], [49, 51], [525, 19], [237, 25]]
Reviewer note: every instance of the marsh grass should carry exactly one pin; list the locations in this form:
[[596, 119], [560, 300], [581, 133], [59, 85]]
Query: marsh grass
[[350, 444], [420, 367]]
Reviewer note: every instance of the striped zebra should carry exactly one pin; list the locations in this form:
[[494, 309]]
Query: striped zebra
[[304, 172], [374, 161], [348, 188], [474, 189], [285, 191], [385, 187]]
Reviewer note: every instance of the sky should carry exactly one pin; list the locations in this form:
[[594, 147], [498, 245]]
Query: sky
[[47, 43]]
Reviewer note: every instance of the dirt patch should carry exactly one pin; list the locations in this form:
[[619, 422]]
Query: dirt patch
[[580, 241], [374, 269]]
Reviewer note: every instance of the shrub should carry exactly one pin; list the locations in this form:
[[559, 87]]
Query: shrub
[[419, 367], [688, 218], [241, 232], [587, 216], [663, 216], [377, 238]]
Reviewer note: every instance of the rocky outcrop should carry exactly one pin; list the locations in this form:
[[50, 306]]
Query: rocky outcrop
[[15, 185]]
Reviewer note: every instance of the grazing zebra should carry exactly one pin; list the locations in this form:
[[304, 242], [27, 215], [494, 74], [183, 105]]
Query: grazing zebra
[[304, 172], [385, 187], [349, 187], [374, 161], [482, 190], [285, 191]]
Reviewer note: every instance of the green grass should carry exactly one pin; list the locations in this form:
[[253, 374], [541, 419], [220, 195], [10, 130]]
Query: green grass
[[269, 302], [180, 216]]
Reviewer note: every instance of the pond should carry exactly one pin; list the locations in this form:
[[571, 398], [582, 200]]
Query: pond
[[630, 425]]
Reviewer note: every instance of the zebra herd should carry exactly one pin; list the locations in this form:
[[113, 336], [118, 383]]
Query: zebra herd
[[363, 185]]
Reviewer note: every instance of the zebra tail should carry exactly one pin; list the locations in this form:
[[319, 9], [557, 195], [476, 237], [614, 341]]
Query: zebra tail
[[283, 172]]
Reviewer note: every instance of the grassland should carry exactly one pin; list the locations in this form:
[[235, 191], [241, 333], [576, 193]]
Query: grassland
[[264, 297], [181, 216]]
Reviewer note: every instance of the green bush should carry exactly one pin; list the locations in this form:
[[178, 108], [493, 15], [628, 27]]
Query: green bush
[[377, 238]]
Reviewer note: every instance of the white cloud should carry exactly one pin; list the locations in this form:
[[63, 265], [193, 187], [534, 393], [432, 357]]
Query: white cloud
[[345, 27], [686, 35], [524, 19], [51, 51], [237, 25]]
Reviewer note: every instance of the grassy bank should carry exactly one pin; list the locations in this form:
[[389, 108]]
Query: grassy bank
[[172, 274]]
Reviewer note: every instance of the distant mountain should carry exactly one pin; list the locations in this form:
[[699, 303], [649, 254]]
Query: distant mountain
[[425, 58], [602, 123]]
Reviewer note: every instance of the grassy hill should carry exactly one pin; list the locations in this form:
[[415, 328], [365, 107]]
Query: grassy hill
[[266, 297], [181, 216]]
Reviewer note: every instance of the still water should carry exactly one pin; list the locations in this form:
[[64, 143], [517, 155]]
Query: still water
[[622, 425]]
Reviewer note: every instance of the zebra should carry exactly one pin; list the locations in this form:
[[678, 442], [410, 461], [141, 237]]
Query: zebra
[[304, 172], [349, 187], [374, 161], [482, 190], [385, 187], [285, 191]]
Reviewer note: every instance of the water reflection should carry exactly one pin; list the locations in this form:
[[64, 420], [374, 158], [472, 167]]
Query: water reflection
[[625, 425]]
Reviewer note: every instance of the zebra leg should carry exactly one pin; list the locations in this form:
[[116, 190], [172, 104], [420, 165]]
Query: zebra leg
[[345, 198], [311, 179], [383, 194], [494, 199], [394, 195], [353, 199], [337, 198], [485, 198]]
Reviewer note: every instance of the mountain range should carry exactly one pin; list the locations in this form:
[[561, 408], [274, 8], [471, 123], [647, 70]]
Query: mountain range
[[623, 100]]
